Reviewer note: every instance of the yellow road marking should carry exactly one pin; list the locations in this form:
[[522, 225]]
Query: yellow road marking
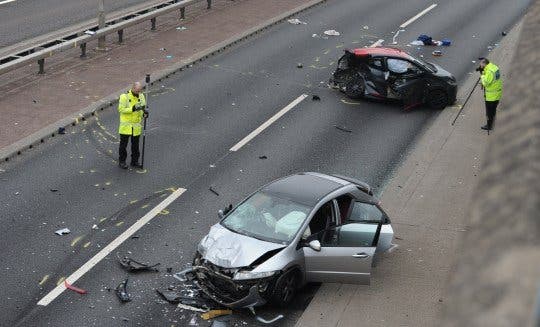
[[87, 244], [43, 280], [76, 240], [164, 212], [120, 223], [60, 280], [144, 206], [133, 201]]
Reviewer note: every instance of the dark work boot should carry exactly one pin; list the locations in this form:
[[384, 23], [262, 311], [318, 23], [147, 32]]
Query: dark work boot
[[123, 165], [486, 128], [136, 165]]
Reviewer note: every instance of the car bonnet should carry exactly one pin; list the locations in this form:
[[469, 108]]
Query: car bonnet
[[227, 249]]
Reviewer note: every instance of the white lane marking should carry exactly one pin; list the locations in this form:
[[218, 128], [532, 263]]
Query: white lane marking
[[420, 14], [377, 43], [110, 247], [6, 1], [267, 123]]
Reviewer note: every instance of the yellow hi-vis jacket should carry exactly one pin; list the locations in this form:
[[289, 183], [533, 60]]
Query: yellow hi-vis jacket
[[492, 82], [130, 121]]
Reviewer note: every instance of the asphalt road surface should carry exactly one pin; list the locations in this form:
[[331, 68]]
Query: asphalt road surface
[[24, 19], [197, 116]]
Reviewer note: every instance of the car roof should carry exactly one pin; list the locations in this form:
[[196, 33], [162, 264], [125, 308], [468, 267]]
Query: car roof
[[380, 51], [304, 188]]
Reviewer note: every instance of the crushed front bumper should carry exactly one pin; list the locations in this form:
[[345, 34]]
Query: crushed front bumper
[[231, 293]]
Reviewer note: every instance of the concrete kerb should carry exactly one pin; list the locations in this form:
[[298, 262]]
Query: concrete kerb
[[50, 131]]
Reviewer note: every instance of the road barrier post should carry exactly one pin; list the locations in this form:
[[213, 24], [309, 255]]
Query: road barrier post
[[41, 63], [120, 36], [83, 50], [101, 24]]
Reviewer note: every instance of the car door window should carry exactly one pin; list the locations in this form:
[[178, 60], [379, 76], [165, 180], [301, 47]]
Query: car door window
[[365, 212], [376, 67], [322, 219], [350, 235]]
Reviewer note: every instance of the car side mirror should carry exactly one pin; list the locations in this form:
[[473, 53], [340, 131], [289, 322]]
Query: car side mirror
[[222, 213], [315, 245]]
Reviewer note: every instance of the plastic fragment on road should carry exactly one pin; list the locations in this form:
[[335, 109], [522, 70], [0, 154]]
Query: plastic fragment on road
[[62, 231], [299, 65], [296, 21], [315, 98], [263, 157], [417, 42], [181, 28], [332, 33], [189, 307], [89, 32], [218, 323], [265, 321], [437, 53], [61, 130], [213, 191], [343, 129], [215, 313], [132, 265], [121, 291], [366, 27], [53, 190], [73, 288], [168, 56]]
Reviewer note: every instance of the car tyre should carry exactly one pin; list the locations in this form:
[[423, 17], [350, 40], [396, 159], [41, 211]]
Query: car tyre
[[437, 99], [355, 88], [285, 288]]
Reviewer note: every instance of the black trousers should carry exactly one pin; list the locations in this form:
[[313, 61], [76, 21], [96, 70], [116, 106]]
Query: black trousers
[[122, 152], [491, 111]]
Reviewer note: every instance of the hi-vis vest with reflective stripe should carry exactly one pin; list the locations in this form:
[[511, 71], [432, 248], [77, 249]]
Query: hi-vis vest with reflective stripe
[[130, 121], [492, 82]]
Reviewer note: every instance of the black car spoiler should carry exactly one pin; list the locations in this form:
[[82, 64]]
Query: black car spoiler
[[362, 185]]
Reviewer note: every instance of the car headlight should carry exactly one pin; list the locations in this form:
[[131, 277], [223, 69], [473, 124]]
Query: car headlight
[[243, 275]]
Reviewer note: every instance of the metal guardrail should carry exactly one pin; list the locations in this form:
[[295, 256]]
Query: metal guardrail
[[79, 39]]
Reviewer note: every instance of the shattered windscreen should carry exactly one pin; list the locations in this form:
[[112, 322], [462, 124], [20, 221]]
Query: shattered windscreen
[[268, 218]]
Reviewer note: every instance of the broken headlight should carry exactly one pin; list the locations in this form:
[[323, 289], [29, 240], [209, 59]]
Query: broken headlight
[[243, 275]]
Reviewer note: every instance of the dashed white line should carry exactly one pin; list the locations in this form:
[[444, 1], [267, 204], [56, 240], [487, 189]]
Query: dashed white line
[[377, 43], [267, 123], [6, 1], [110, 247], [420, 14]]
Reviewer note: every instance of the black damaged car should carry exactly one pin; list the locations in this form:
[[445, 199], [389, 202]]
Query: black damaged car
[[391, 73]]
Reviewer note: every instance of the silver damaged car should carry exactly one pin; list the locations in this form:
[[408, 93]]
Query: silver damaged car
[[307, 227]]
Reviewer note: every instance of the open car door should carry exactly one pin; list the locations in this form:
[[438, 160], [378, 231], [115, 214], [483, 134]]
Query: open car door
[[345, 256]]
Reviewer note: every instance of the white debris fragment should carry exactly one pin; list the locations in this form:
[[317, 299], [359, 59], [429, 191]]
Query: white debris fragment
[[366, 27], [62, 231], [181, 28], [332, 33], [89, 32], [296, 21]]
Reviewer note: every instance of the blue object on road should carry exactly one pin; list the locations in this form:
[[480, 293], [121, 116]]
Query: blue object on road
[[446, 42]]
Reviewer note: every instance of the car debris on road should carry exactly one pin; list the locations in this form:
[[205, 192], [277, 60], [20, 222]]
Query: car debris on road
[[296, 21], [62, 231], [332, 33], [132, 265], [121, 291]]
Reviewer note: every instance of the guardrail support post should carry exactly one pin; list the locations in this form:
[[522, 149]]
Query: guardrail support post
[[182, 12], [120, 36], [101, 24], [41, 63], [153, 21], [83, 50], [209, 4]]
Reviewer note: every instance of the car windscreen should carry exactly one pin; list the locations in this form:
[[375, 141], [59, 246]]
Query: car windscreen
[[426, 65], [267, 217]]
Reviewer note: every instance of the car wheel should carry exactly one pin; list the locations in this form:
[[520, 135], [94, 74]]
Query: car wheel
[[355, 88], [285, 288], [437, 99]]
